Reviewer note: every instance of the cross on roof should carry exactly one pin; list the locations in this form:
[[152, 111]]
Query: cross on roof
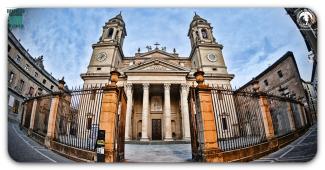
[[156, 44]]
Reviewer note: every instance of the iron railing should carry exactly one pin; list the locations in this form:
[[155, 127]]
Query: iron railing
[[239, 119], [78, 117]]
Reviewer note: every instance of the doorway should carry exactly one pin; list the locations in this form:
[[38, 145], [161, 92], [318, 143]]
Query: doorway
[[156, 129]]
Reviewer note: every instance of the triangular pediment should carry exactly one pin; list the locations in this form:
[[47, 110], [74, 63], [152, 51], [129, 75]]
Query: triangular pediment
[[156, 65]]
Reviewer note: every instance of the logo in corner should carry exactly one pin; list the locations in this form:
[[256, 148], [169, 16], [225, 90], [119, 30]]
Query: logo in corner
[[306, 18]]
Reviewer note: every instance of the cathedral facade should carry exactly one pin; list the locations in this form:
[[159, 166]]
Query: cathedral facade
[[156, 81]]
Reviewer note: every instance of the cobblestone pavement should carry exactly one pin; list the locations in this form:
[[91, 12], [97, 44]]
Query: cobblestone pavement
[[301, 150], [23, 149], [158, 153]]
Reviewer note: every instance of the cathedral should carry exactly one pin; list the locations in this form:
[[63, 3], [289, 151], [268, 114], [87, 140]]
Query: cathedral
[[157, 82]]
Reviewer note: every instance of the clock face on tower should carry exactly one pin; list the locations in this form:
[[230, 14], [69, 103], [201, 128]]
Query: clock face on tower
[[101, 56], [212, 57]]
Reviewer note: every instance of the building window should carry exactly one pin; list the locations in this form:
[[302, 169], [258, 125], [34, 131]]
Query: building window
[[110, 33], [52, 87], [214, 69], [280, 74], [11, 77], [89, 121], [99, 68], [224, 123], [266, 83], [18, 59], [31, 91], [204, 33], [27, 67], [36, 74], [21, 85], [9, 48], [44, 81]]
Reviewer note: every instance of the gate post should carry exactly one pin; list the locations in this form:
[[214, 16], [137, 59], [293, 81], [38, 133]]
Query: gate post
[[207, 131], [107, 119], [32, 117], [265, 109], [290, 116], [52, 116]]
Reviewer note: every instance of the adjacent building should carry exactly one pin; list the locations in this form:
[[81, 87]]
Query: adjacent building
[[157, 81], [26, 77], [311, 94], [282, 79]]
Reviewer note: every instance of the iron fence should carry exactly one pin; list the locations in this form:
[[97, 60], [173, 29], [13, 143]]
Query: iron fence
[[238, 119], [280, 117], [78, 117]]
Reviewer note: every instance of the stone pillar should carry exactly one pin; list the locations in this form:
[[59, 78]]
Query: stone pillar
[[291, 118], [128, 111], [267, 118], [185, 112], [107, 121], [167, 113], [301, 114], [52, 119], [32, 117], [145, 112], [52, 116]]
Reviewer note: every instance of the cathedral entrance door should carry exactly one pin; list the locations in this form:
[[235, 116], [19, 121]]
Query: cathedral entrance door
[[156, 129]]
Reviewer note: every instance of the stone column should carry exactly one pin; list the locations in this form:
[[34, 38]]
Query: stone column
[[185, 113], [128, 111], [167, 113], [145, 112], [267, 118], [291, 117], [32, 117], [52, 120]]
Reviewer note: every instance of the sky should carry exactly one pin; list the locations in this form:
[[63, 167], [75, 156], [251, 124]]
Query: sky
[[253, 38]]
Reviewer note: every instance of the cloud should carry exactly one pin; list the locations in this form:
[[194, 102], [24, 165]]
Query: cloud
[[253, 38]]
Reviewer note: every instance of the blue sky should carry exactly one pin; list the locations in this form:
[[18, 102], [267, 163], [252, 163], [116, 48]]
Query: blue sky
[[253, 38]]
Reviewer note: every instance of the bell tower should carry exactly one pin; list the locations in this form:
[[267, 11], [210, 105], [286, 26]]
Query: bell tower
[[107, 52], [206, 53]]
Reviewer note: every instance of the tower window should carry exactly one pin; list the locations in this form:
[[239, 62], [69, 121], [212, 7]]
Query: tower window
[[44, 81], [214, 69], [110, 33], [99, 68], [116, 35], [52, 87], [266, 83], [204, 33], [280, 73]]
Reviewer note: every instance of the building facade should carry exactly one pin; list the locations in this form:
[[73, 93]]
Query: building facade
[[26, 77], [156, 81], [311, 98], [282, 79]]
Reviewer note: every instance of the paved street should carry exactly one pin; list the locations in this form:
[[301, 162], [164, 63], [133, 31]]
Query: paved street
[[23, 149], [158, 153], [301, 150]]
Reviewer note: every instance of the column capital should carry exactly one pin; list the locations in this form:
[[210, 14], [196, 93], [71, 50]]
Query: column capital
[[167, 86], [128, 86], [185, 86], [145, 86]]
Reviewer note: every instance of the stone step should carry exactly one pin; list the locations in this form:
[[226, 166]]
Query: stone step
[[157, 142]]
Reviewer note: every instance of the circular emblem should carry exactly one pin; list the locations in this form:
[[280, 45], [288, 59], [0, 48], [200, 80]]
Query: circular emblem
[[306, 18], [212, 57], [101, 56]]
